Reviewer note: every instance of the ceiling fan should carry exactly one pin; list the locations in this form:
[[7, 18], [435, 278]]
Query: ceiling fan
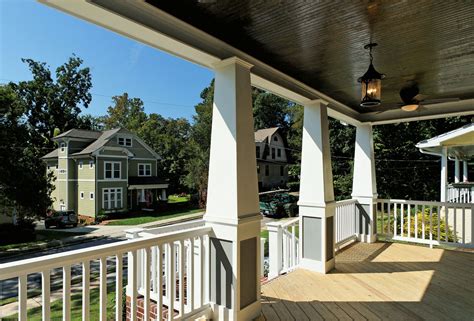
[[413, 100]]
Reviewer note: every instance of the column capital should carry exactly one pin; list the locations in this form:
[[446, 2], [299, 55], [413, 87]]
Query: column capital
[[232, 60], [315, 102]]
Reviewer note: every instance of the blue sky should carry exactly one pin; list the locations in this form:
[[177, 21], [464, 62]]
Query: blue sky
[[168, 85]]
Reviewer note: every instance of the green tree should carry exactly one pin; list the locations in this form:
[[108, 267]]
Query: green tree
[[125, 112]]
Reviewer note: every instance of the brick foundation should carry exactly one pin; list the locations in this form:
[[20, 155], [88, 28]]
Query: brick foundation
[[153, 310], [85, 218]]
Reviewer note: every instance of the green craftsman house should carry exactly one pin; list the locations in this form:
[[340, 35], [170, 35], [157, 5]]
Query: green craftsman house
[[110, 171]]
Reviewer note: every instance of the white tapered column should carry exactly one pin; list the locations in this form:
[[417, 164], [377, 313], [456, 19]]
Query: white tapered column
[[316, 191], [364, 187], [232, 203], [457, 171], [465, 176], [444, 175]]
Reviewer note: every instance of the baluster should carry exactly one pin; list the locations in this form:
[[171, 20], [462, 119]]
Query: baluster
[[409, 220], [201, 283], [171, 279], [464, 226], [416, 221], [132, 283], [146, 282], [159, 297], [154, 275], [86, 278], [103, 289], [190, 275], [431, 226], [67, 293], [446, 224], [423, 222], [455, 209], [182, 265], [402, 219], [118, 286], [22, 297], [395, 217], [45, 296], [293, 244], [439, 223]]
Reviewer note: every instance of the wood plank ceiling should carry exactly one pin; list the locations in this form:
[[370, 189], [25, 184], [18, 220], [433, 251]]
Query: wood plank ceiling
[[321, 42]]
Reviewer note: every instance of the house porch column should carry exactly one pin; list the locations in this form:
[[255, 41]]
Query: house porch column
[[316, 203], [232, 204], [457, 171], [364, 188], [163, 195], [465, 176], [444, 174]]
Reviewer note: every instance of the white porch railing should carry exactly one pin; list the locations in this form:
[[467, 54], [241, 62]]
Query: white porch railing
[[283, 248], [432, 223], [172, 263], [460, 194], [345, 222]]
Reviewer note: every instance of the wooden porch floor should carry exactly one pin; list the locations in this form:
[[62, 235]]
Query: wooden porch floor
[[380, 281]]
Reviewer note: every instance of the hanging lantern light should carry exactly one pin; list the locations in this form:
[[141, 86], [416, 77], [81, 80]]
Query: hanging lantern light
[[371, 83]]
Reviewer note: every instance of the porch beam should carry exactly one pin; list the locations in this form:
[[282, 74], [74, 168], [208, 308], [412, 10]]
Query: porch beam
[[364, 187], [316, 204], [232, 203]]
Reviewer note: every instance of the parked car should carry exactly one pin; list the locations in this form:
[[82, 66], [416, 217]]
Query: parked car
[[61, 219], [278, 204]]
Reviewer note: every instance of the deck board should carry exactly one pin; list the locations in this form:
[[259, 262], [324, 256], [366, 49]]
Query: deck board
[[381, 281]]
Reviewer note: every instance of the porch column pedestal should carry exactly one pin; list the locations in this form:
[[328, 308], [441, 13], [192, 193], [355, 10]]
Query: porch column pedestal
[[364, 188], [465, 176], [457, 171], [232, 203], [444, 175], [316, 203]]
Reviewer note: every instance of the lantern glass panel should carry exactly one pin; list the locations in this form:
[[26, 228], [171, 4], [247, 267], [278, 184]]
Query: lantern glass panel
[[371, 90]]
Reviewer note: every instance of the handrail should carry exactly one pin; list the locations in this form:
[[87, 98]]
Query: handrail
[[27, 266], [289, 222], [430, 203], [346, 202]]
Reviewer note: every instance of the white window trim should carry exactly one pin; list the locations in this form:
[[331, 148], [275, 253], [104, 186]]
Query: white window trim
[[91, 195], [144, 169], [105, 170], [62, 146], [81, 165], [108, 190], [91, 164], [81, 195]]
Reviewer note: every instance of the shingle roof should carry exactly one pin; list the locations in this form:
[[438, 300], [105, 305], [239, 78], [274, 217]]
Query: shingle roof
[[53, 154], [79, 133], [262, 134], [99, 143]]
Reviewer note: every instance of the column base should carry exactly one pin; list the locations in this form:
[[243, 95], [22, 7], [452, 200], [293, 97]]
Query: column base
[[367, 238], [317, 266]]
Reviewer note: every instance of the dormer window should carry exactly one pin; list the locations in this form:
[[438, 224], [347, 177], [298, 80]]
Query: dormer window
[[275, 138], [124, 141], [63, 147]]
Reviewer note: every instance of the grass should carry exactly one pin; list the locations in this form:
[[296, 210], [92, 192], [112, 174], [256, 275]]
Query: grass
[[152, 217], [41, 236], [34, 314], [178, 199]]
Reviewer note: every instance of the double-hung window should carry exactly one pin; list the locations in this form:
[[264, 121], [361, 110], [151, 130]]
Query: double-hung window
[[112, 170], [144, 169], [112, 198], [81, 164], [124, 141]]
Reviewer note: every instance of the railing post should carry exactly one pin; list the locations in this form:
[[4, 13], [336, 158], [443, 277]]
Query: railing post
[[133, 267], [275, 249]]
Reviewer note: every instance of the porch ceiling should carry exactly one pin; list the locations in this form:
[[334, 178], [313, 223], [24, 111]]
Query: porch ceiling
[[311, 50]]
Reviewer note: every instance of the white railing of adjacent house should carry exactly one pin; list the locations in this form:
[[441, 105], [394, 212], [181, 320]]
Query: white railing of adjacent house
[[442, 222], [459, 194], [180, 257], [345, 222], [283, 248]]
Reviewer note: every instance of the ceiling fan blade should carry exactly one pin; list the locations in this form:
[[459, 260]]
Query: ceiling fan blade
[[420, 97], [438, 101]]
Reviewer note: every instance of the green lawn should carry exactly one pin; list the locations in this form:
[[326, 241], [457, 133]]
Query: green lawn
[[178, 199], [34, 314], [152, 217]]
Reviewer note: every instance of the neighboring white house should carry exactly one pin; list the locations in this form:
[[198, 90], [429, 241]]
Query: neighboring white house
[[272, 159]]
